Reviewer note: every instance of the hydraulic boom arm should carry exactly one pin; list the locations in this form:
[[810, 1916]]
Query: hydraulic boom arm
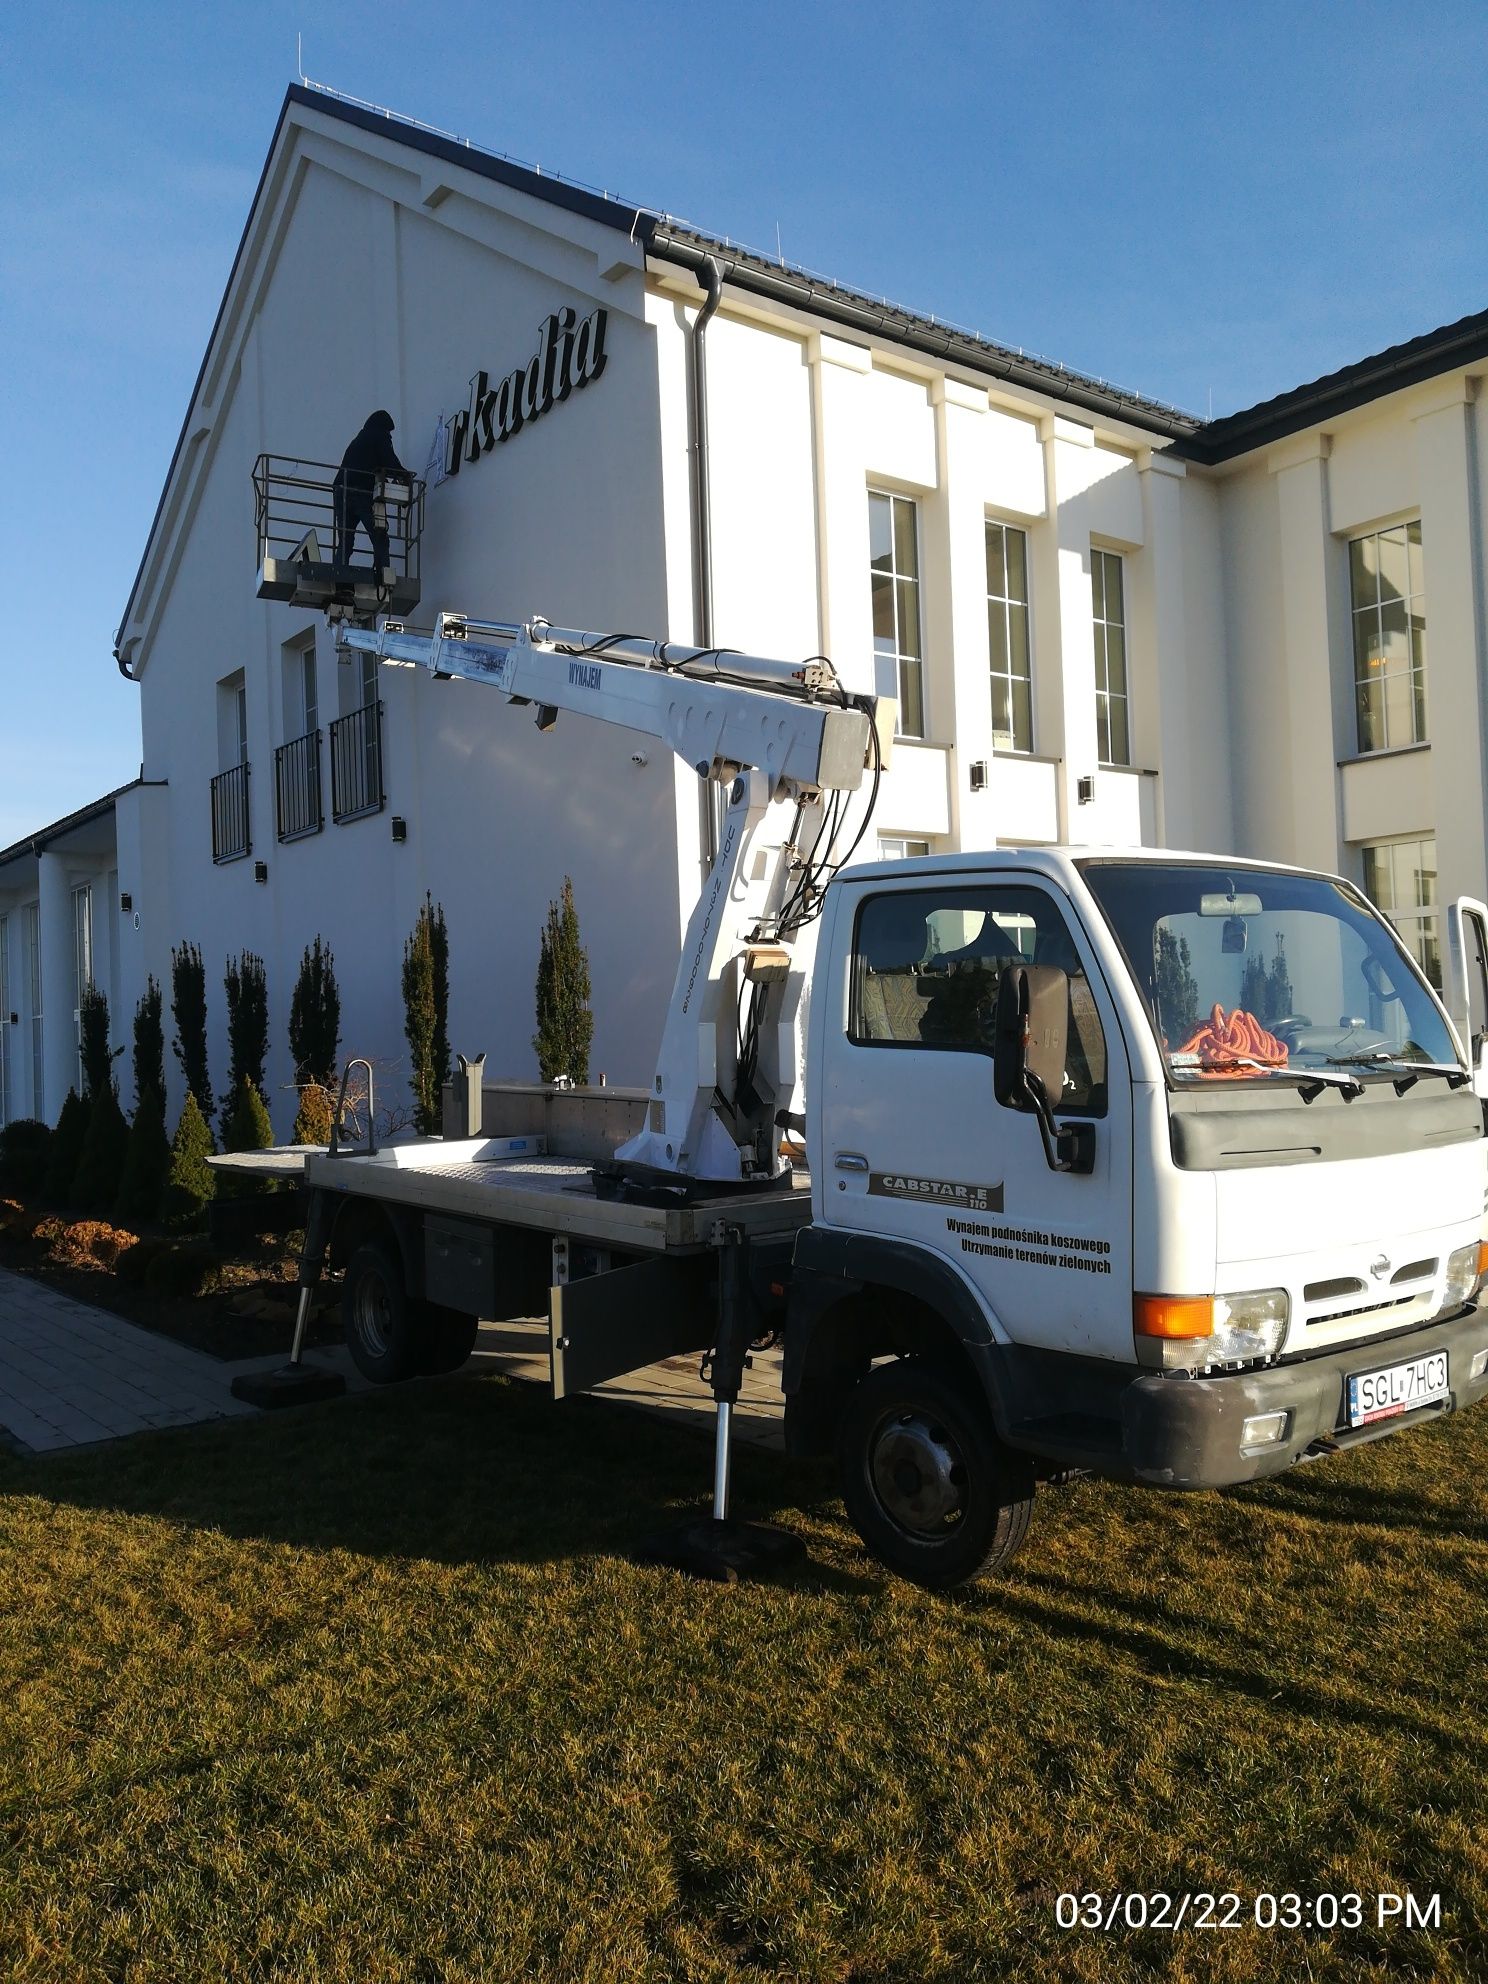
[[788, 744]]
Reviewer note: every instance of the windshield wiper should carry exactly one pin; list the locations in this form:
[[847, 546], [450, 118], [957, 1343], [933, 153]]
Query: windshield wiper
[[1406, 1073], [1310, 1081]]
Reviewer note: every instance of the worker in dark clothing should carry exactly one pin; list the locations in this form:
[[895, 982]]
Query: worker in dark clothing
[[355, 489]]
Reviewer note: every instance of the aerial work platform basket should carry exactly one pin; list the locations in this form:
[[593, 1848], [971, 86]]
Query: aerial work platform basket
[[311, 551]]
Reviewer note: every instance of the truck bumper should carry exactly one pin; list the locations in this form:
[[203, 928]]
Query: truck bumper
[[1191, 1432]]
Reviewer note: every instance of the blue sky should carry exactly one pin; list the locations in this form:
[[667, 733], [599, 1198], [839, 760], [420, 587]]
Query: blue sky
[[1194, 201]]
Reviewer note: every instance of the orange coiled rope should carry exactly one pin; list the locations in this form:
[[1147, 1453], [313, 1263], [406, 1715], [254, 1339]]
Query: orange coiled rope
[[1220, 1039]]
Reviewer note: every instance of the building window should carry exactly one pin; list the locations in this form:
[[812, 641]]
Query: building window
[[297, 802], [894, 554], [1108, 611], [1400, 879], [1388, 594], [4, 1019], [901, 847], [1007, 635], [231, 838], [82, 966], [33, 998]]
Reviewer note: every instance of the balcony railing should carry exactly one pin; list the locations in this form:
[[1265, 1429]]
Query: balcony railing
[[356, 763], [297, 804], [231, 839]]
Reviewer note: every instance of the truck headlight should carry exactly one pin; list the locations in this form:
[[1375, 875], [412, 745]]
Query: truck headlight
[[1192, 1333], [1464, 1272]]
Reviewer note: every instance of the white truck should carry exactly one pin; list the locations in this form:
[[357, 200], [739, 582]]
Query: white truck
[[1163, 1166]]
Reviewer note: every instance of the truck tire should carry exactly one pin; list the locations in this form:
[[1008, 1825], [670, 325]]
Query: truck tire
[[448, 1337], [928, 1485], [384, 1331]]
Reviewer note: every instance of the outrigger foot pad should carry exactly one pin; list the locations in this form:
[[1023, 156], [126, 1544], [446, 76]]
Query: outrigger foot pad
[[291, 1384], [723, 1551]]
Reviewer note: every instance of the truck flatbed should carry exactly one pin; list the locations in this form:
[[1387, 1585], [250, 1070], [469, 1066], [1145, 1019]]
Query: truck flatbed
[[554, 1194]]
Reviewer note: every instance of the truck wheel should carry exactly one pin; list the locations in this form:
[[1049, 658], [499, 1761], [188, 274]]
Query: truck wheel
[[928, 1485], [383, 1329], [448, 1337]]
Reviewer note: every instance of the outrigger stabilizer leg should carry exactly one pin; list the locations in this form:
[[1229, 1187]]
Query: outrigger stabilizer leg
[[298, 1383], [718, 1546]]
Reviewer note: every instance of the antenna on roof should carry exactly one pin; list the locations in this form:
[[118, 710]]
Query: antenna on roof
[[300, 59], [779, 251]]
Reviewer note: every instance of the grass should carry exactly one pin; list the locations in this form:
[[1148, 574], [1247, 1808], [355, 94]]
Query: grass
[[373, 1691]]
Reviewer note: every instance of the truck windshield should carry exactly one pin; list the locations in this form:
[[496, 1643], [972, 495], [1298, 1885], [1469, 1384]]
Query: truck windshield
[[1257, 976]]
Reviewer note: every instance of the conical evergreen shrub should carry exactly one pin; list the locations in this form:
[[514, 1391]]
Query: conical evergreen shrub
[[67, 1149], [191, 1182], [248, 1128], [146, 1162], [312, 1125], [565, 1025], [95, 1184]]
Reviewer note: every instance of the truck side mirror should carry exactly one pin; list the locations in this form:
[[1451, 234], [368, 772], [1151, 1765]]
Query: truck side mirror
[[1028, 1055]]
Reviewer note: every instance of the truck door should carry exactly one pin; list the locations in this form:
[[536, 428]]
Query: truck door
[[914, 1145], [1467, 996]]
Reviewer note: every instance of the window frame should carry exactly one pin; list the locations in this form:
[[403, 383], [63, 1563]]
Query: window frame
[[1101, 622], [1007, 601], [904, 661], [1093, 1111], [1409, 922], [1415, 666]]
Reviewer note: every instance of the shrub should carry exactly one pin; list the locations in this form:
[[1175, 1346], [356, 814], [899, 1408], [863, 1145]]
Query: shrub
[[247, 1024], [149, 1046], [100, 1168], [249, 1128], [48, 1233], [89, 1243], [25, 1146], [93, 1043], [565, 1024], [190, 1182], [189, 1269], [18, 1223], [133, 1264], [316, 1114], [189, 1010], [315, 1017], [66, 1150], [146, 1160], [426, 1015]]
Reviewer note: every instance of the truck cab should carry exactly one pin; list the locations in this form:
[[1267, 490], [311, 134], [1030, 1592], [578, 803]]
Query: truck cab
[[1232, 1224]]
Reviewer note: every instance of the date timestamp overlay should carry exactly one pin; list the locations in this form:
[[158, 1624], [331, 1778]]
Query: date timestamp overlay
[[1159, 1909]]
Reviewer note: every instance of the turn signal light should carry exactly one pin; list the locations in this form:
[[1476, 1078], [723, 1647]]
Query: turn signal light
[[1173, 1315], [1482, 1258]]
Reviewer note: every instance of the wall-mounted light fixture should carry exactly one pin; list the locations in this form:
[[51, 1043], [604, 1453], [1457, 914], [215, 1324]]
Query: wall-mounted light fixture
[[1085, 789], [400, 827], [260, 871], [979, 774], [126, 903]]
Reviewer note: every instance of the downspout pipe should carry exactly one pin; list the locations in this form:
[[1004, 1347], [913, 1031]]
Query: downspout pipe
[[710, 273]]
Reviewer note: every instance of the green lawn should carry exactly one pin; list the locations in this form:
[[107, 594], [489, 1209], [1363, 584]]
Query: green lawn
[[371, 1691]]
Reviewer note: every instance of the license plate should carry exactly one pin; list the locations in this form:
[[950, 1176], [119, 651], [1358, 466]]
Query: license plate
[[1399, 1388]]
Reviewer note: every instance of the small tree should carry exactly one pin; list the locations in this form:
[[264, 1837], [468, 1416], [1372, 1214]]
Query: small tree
[[93, 1043], [191, 1182], [66, 1149], [426, 1014], [100, 1168], [149, 1046], [315, 1017], [189, 1011], [247, 1126], [1176, 987], [247, 1023], [146, 1161], [565, 1024], [312, 1123]]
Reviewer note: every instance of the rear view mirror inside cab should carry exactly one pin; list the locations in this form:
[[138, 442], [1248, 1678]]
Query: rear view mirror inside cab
[[1229, 905]]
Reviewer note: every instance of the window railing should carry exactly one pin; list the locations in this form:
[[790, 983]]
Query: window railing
[[356, 763], [297, 803], [230, 836]]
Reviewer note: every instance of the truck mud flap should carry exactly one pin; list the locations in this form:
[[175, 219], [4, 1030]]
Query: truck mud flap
[[607, 1324]]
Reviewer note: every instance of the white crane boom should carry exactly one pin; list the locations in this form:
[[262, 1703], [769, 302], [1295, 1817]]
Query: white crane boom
[[789, 744]]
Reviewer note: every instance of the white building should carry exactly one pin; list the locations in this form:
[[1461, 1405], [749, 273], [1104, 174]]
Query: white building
[[1109, 623]]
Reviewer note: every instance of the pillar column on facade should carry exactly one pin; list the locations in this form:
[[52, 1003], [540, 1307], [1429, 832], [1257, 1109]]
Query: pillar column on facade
[[1071, 686], [1171, 733], [838, 370], [1313, 694], [961, 419], [1454, 636], [58, 965]]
